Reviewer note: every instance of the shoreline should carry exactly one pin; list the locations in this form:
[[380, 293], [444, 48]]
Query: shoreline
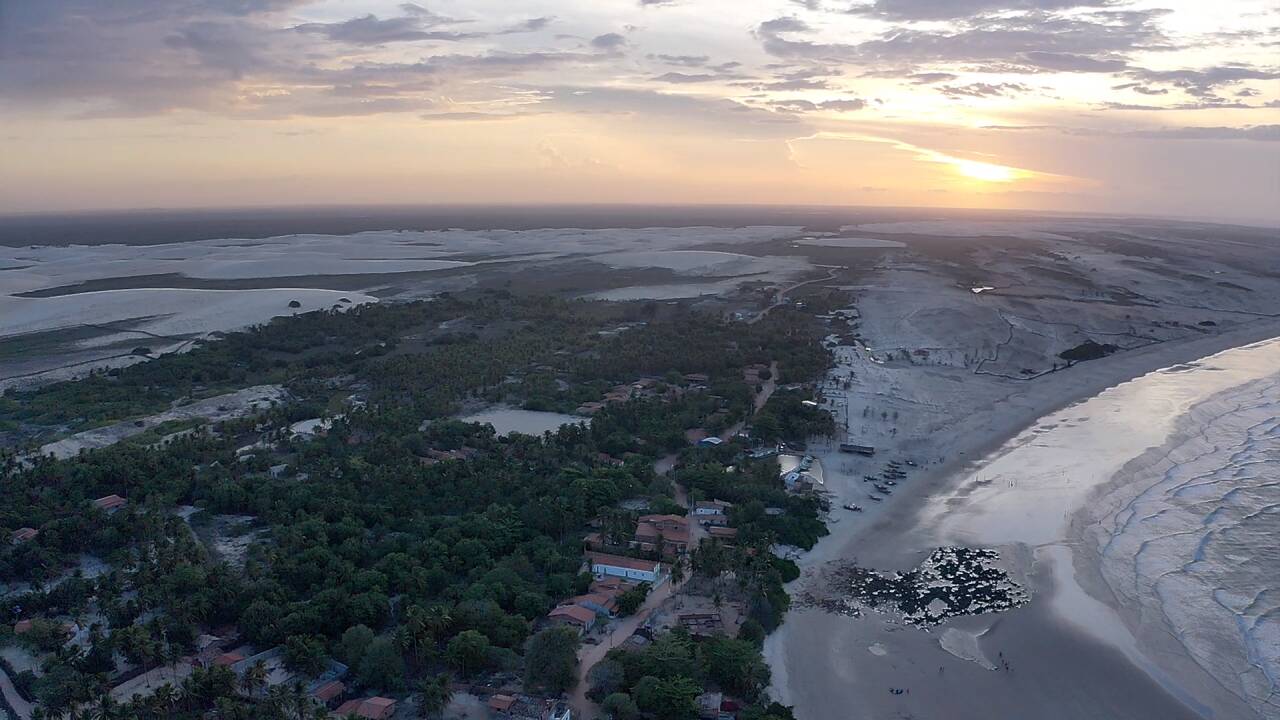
[[887, 538]]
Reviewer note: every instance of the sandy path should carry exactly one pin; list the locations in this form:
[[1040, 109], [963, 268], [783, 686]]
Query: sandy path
[[623, 629], [20, 706]]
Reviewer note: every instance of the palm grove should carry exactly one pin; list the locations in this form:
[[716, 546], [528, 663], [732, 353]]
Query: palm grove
[[367, 548]]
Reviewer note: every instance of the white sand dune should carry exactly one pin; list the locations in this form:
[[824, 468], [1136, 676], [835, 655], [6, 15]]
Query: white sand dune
[[164, 311], [33, 268], [850, 242]]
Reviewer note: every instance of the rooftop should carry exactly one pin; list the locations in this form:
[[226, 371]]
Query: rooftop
[[623, 562], [573, 613]]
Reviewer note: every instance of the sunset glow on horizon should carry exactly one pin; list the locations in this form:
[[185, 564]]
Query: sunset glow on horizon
[[1163, 108]]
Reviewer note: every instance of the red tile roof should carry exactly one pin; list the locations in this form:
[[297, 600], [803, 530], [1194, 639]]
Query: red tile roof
[[374, 708], [623, 562], [329, 691], [23, 534], [110, 502], [575, 614], [22, 626]]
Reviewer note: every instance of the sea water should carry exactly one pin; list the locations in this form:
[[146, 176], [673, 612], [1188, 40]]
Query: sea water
[[1167, 487]]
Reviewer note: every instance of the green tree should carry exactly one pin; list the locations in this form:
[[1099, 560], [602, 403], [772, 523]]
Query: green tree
[[306, 654], [620, 706], [382, 665], [434, 695], [468, 651], [671, 699], [551, 660], [355, 641], [735, 665]]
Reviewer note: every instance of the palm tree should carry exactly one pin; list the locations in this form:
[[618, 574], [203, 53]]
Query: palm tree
[[106, 708], [434, 695], [254, 678], [437, 620]]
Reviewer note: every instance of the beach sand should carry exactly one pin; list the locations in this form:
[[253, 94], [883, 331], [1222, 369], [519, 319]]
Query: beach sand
[[949, 422]]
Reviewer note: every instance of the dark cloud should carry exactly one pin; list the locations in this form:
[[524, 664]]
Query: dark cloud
[[371, 30], [532, 24], [682, 60], [685, 78], [1203, 83], [807, 106], [1028, 42], [609, 41], [143, 57], [961, 9], [929, 78]]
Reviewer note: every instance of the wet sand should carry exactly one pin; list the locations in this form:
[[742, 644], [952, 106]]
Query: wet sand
[[825, 664]]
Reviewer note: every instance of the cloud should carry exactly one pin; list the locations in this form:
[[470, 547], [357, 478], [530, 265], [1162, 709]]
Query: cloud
[[371, 30], [1260, 133], [609, 41], [685, 78], [807, 106], [1205, 82], [1028, 42], [960, 9], [682, 60], [929, 78], [983, 90]]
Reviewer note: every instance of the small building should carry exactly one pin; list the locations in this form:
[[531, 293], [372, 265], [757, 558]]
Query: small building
[[329, 692], [711, 507], [857, 449], [702, 624], [21, 535], [668, 534], [227, 659], [527, 707], [723, 533], [712, 441], [374, 708], [709, 705], [649, 571], [111, 504], [574, 616], [600, 603], [501, 703], [23, 626]]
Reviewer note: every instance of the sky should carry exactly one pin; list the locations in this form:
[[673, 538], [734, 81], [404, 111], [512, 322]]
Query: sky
[[1152, 107]]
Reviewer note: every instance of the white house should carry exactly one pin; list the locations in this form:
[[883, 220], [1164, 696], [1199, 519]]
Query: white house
[[649, 571]]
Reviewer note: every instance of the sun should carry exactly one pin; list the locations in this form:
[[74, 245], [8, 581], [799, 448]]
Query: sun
[[986, 172]]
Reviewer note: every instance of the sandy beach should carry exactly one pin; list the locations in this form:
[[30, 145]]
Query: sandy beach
[[825, 664]]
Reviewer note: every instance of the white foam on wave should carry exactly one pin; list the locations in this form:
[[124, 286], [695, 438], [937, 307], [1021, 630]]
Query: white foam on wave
[[1177, 476], [1196, 547]]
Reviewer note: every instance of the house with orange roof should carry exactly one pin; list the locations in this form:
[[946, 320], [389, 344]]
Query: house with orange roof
[[668, 534], [329, 692], [574, 616], [21, 535], [374, 708], [600, 603], [111, 504]]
